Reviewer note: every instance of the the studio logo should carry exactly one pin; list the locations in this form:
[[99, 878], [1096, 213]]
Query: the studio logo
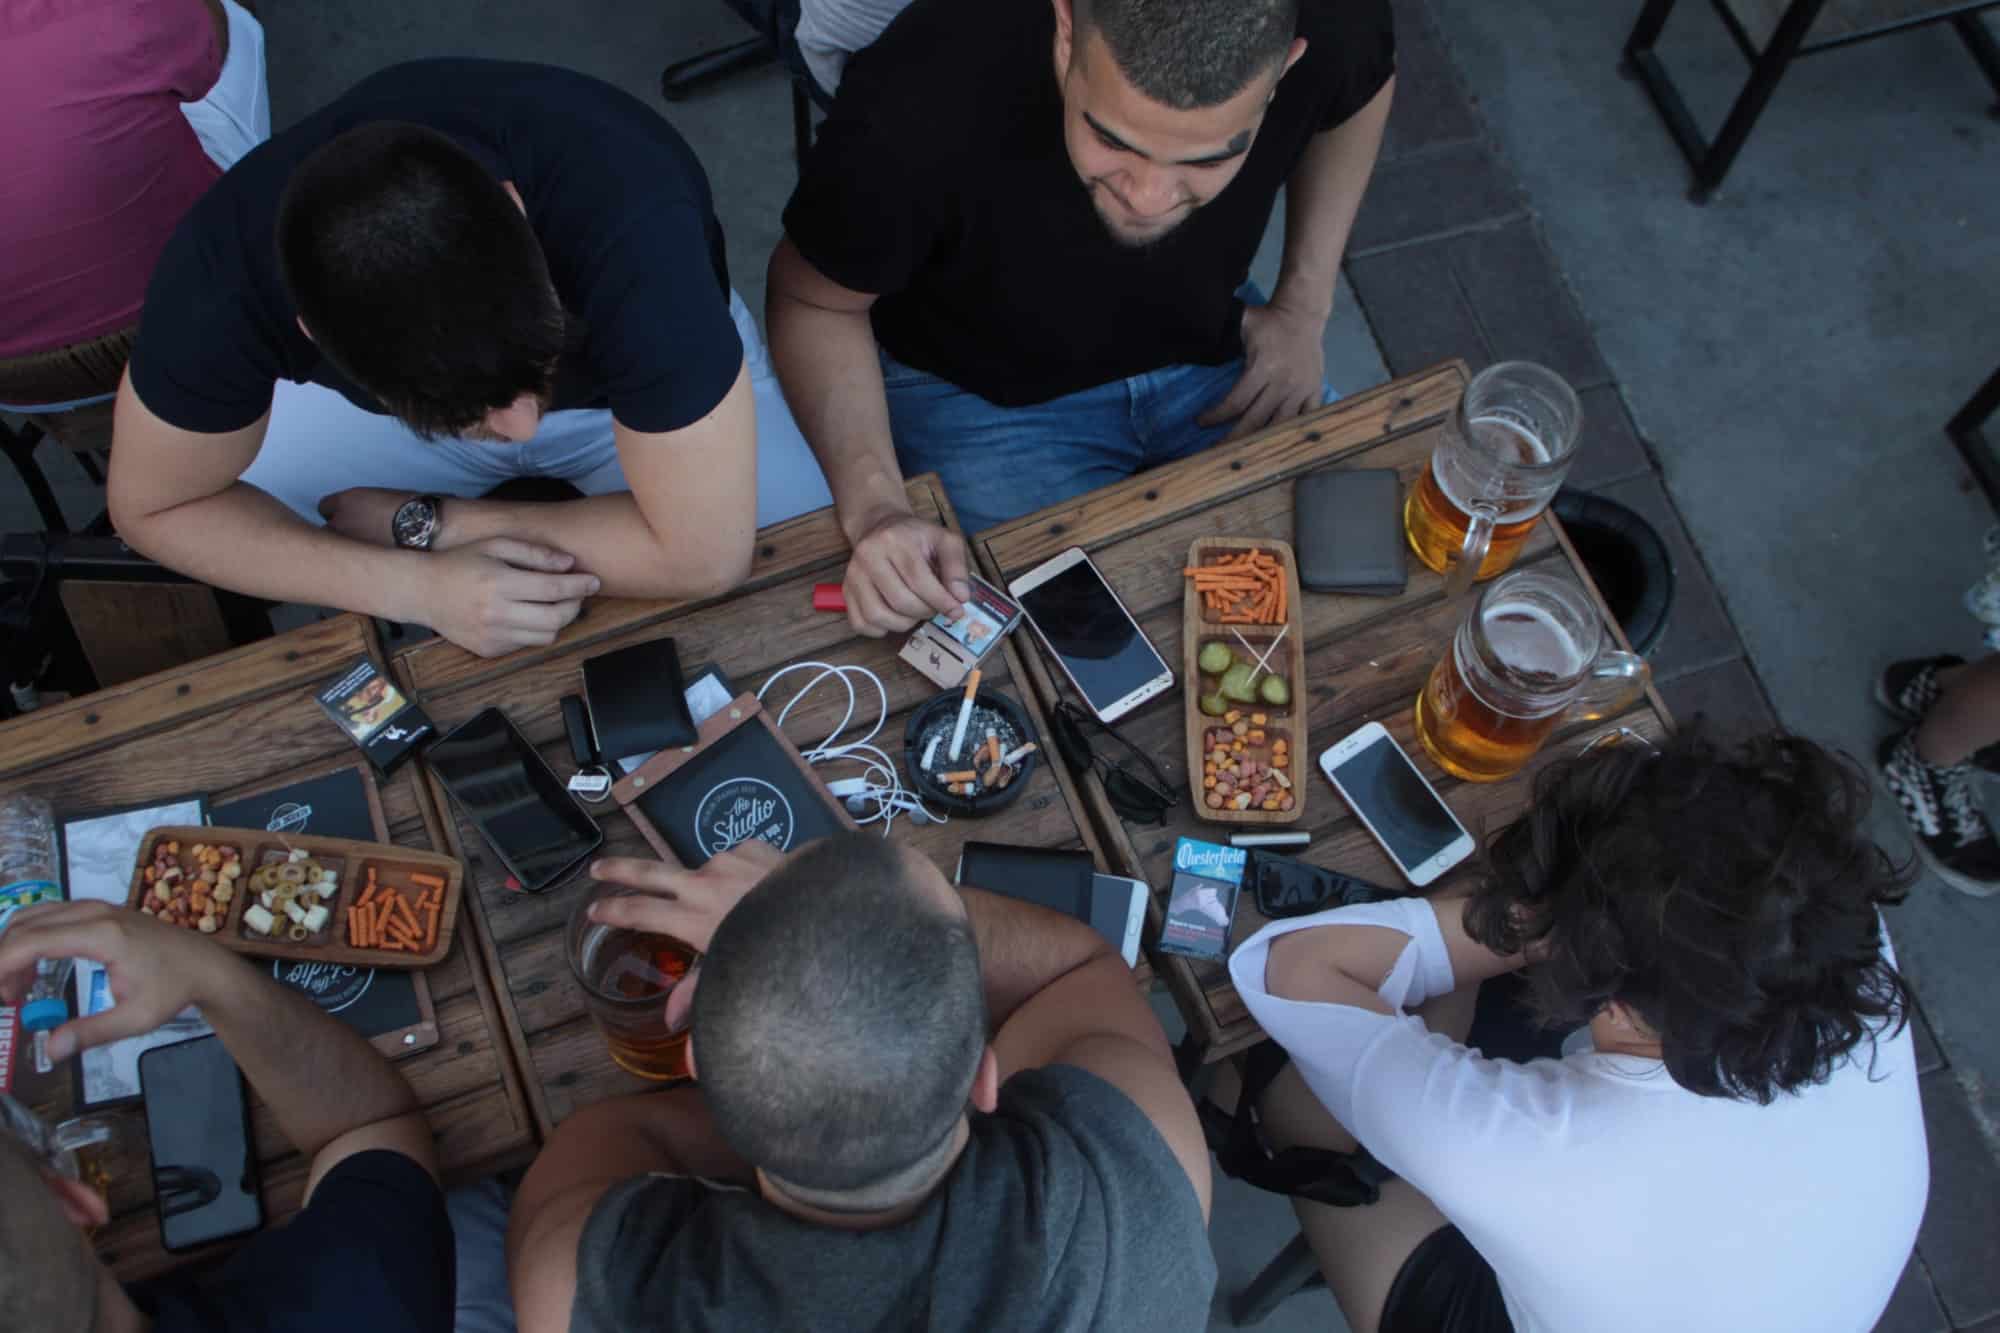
[[290, 816], [331, 986], [740, 809]]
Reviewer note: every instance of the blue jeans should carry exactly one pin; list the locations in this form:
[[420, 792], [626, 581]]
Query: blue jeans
[[999, 463]]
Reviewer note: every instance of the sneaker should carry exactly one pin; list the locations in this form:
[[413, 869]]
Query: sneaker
[[1907, 689], [1952, 835]]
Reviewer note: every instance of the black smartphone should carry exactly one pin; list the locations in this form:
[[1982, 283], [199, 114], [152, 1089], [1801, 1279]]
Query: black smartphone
[[537, 829], [198, 1130]]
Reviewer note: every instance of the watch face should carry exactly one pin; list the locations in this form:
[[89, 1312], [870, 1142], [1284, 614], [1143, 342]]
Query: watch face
[[416, 522]]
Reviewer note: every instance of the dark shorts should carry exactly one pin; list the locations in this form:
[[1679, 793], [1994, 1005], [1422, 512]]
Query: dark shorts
[[1445, 1286]]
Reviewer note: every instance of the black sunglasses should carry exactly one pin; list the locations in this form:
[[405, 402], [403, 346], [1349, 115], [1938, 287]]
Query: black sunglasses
[[1287, 887], [1131, 796]]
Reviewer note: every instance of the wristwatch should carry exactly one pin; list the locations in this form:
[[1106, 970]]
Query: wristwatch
[[415, 525]]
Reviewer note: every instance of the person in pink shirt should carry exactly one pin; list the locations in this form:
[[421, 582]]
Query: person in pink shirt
[[115, 116]]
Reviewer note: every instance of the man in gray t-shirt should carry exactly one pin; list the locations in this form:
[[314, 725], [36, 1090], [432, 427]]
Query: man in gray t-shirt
[[918, 1107]]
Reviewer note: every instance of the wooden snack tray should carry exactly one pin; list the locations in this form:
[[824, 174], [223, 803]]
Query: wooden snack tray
[[351, 858], [1199, 626]]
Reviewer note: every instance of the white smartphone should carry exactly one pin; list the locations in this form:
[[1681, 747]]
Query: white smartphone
[[1118, 912], [1093, 637], [1411, 821]]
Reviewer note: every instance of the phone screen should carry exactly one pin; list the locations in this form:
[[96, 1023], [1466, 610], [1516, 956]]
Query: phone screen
[[514, 799], [1097, 641], [204, 1169], [1380, 781]]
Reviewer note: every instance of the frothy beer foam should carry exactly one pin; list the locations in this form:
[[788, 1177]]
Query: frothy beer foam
[[1532, 645]]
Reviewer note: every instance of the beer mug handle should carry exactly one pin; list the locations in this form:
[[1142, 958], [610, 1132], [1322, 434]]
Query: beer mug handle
[[1478, 540], [1616, 679]]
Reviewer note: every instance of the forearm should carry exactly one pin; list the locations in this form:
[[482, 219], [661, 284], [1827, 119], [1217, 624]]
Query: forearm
[[608, 535], [1024, 949], [244, 540], [1321, 200], [320, 1078], [832, 377]]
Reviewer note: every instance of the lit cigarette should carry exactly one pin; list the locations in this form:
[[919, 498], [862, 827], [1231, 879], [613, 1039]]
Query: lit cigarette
[[964, 716], [1017, 754]]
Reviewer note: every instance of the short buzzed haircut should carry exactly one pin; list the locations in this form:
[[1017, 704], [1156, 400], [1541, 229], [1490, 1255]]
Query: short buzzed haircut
[[1191, 53], [840, 1018], [46, 1276]]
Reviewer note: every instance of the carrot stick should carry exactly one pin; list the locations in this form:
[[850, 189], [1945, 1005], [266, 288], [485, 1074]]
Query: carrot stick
[[426, 881], [367, 893], [403, 914], [430, 927]]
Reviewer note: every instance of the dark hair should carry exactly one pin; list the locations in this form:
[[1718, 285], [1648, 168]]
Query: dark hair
[[418, 276], [1727, 897], [1191, 53], [840, 1018]]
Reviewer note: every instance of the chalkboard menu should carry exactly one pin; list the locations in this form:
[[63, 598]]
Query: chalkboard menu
[[390, 1007], [742, 780]]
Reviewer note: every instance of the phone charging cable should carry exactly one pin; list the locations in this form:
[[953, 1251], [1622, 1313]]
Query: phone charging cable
[[878, 795]]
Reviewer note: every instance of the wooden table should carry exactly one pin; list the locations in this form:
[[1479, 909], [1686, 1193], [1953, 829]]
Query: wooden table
[[229, 725], [765, 624], [1366, 657]]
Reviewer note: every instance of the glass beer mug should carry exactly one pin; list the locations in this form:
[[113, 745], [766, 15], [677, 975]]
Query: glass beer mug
[[1503, 453], [1531, 655]]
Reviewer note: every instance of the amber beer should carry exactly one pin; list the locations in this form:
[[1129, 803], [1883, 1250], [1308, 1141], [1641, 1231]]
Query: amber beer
[[1507, 681], [1507, 459], [626, 977]]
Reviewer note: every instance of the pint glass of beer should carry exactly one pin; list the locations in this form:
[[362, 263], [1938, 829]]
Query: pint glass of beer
[[626, 977], [1531, 655], [1501, 456]]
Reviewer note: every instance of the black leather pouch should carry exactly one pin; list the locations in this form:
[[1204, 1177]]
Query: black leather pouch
[[637, 700], [1347, 528]]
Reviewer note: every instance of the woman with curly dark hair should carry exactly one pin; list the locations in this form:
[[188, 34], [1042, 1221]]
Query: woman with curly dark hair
[[1736, 1145]]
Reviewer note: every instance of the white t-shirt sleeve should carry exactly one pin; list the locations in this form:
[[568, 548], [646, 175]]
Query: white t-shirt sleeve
[[1401, 1089]]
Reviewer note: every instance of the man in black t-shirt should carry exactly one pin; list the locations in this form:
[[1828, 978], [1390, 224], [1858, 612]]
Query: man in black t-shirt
[[917, 1108], [457, 273], [1044, 212], [372, 1247]]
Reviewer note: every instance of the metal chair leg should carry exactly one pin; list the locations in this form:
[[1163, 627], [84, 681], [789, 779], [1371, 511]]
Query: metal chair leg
[[1979, 40], [20, 448], [684, 76], [1756, 95], [1967, 430], [802, 122], [1293, 1271]]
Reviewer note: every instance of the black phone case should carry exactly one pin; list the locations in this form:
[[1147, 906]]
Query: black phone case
[[1347, 530], [1058, 880], [252, 1173], [562, 874]]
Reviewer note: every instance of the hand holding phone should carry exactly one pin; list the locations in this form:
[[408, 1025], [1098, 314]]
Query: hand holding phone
[[1094, 639], [1396, 804]]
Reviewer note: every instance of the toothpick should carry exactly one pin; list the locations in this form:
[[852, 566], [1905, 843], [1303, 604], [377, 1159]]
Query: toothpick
[[1265, 656]]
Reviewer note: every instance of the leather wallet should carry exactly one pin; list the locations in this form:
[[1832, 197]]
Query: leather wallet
[[637, 701], [1057, 880], [1347, 528]]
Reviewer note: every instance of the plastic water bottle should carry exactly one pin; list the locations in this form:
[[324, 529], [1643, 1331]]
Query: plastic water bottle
[[27, 877]]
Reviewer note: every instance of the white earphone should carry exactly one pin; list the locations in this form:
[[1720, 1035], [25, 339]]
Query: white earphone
[[878, 795]]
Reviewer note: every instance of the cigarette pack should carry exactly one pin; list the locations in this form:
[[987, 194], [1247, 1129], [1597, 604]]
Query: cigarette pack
[[1202, 902], [945, 649], [375, 714]]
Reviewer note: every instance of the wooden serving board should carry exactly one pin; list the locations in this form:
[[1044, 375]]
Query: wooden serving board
[[350, 858], [1199, 626]]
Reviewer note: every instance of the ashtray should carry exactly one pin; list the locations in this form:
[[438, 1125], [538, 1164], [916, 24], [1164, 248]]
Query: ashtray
[[995, 720]]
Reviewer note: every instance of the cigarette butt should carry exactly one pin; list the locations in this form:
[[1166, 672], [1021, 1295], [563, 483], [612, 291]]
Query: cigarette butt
[[1006, 777], [1017, 754], [930, 751], [963, 775], [991, 777]]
